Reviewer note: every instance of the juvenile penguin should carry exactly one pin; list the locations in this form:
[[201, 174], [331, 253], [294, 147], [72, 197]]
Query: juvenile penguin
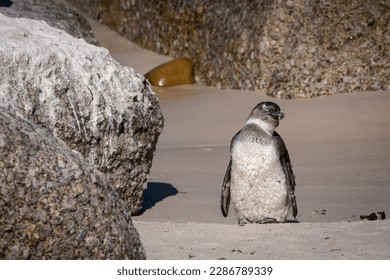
[[259, 179]]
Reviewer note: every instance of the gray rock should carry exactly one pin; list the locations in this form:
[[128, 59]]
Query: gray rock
[[82, 95], [55, 14], [247, 44], [53, 204]]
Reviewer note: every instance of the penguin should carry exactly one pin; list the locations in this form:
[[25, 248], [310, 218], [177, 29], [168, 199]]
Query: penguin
[[259, 178]]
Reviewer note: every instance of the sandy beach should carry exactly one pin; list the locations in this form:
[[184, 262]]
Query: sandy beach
[[339, 147]]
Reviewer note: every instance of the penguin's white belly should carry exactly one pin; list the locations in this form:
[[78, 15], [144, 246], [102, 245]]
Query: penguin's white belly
[[258, 183]]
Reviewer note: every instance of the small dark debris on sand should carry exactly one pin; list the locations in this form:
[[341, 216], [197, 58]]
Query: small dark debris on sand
[[374, 216]]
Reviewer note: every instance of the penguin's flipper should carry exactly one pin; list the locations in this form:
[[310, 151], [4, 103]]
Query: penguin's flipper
[[290, 181], [288, 172], [225, 192]]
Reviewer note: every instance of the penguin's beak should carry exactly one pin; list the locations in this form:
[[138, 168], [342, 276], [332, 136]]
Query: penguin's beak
[[277, 115]]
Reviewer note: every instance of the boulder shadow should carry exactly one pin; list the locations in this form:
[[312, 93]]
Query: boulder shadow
[[5, 3], [156, 192]]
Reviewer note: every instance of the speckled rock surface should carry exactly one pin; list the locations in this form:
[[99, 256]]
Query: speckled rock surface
[[54, 205], [83, 96], [291, 49], [54, 14], [172, 73]]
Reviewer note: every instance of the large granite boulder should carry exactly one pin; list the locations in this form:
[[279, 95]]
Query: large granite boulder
[[53, 204], [291, 49], [82, 95], [55, 14]]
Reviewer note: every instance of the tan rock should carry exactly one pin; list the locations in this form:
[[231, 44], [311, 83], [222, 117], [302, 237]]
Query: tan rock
[[176, 72]]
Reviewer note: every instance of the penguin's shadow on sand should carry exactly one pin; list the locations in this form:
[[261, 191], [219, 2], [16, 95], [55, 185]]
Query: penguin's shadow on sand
[[156, 192]]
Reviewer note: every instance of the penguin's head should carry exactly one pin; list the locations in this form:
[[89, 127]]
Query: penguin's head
[[267, 115]]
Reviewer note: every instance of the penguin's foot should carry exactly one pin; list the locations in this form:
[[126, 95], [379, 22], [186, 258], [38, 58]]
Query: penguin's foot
[[267, 220], [243, 222]]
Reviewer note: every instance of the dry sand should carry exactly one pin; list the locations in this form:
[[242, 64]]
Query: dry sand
[[339, 147]]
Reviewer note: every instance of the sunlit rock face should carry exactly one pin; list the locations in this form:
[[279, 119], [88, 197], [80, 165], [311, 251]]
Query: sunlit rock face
[[103, 110]]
